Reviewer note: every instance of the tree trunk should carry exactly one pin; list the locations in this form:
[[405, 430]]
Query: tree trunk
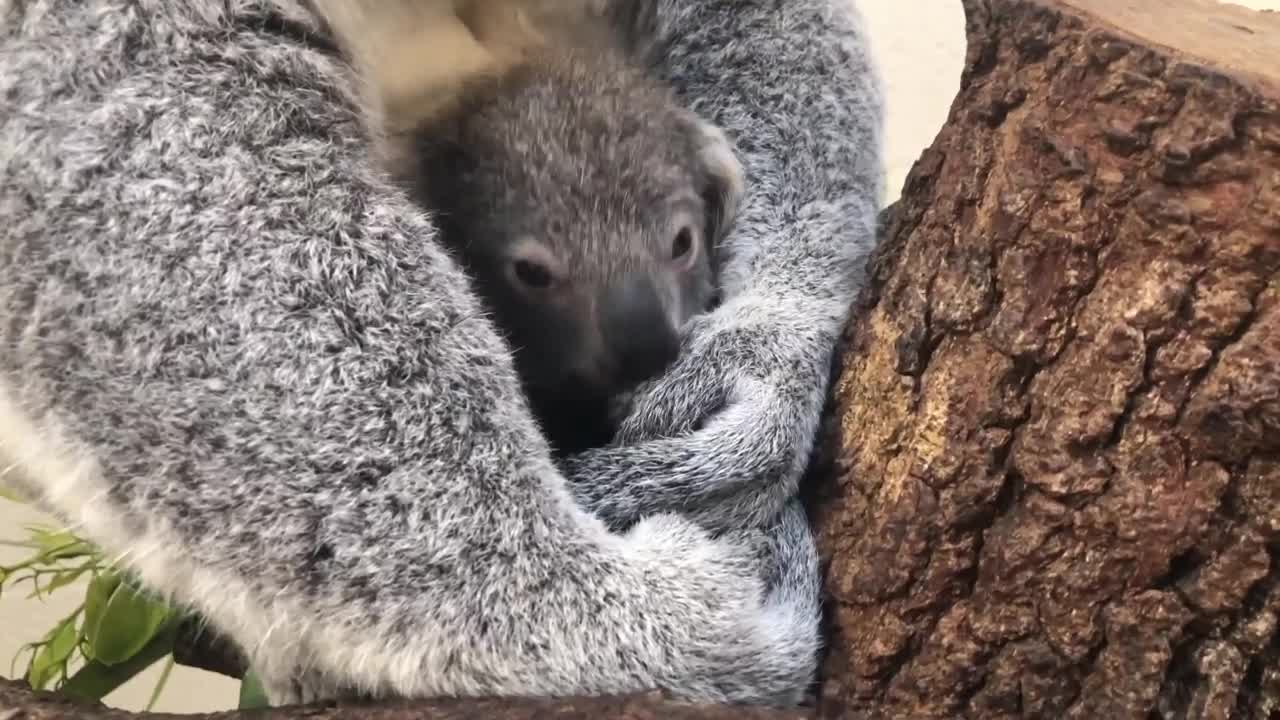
[[1050, 482], [1053, 487]]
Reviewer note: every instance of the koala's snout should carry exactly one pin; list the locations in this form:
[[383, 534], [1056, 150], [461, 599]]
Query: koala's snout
[[640, 336]]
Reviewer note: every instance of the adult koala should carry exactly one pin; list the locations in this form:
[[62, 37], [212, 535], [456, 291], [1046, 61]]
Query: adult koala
[[237, 357]]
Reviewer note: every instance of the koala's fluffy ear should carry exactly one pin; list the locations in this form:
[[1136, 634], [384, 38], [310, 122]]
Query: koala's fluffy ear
[[726, 179]]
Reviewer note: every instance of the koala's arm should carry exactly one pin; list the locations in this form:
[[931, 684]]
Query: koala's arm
[[725, 435], [239, 361]]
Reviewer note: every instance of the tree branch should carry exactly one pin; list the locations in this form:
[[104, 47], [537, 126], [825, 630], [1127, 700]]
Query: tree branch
[[200, 646], [18, 702]]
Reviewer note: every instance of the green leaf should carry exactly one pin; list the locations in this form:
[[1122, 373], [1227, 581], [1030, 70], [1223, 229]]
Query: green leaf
[[26, 648], [129, 621], [96, 680], [12, 494], [58, 544], [53, 654], [64, 579], [95, 604], [252, 696], [164, 678], [60, 579]]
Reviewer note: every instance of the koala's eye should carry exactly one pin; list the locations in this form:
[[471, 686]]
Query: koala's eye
[[683, 244], [532, 267], [532, 275]]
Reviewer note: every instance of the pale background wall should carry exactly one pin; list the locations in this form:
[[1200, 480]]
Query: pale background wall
[[920, 45]]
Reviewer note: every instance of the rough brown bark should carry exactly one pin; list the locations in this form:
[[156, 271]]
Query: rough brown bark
[[1050, 485], [17, 702], [1054, 480]]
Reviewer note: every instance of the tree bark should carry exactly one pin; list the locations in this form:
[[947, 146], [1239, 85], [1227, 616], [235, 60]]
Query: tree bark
[[17, 702], [1053, 478], [1049, 485]]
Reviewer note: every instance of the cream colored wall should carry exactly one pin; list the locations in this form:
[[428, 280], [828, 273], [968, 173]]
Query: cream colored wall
[[920, 45]]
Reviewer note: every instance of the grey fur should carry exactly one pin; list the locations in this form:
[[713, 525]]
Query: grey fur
[[577, 160], [236, 356], [725, 434]]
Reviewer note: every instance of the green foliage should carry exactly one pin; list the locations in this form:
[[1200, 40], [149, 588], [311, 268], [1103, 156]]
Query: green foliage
[[115, 633], [95, 679], [11, 495], [122, 623], [118, 631], [53, 653], [252, 695]]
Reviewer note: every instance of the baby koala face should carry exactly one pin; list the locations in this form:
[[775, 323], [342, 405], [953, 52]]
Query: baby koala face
[[586, 204]]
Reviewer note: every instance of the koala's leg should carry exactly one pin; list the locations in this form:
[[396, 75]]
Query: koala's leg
[[237, 359]]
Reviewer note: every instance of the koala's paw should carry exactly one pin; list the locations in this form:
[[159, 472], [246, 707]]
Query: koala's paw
[[725, 356], [298, 686], [745, 643]]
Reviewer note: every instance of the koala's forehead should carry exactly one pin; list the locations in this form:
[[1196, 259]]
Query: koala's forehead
[[593, 143]]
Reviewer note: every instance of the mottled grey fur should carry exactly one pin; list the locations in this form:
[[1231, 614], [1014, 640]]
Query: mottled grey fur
[[236, 356], [576, 159]]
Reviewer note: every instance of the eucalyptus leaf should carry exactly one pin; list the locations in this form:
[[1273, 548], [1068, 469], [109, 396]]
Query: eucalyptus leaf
[[26, 648], [164, 678], [129, 621], [12, 494], [70, 551], [40, 671], [252, 696], [52, 657], [47, 537], [61, 579], [64, 640], [61, 545], [95, 603], [64, 579], [96, 680]]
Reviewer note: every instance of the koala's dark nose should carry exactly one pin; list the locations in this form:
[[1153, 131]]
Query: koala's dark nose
[[638, 333]]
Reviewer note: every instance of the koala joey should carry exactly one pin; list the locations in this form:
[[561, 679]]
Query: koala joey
[[582, 198]]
